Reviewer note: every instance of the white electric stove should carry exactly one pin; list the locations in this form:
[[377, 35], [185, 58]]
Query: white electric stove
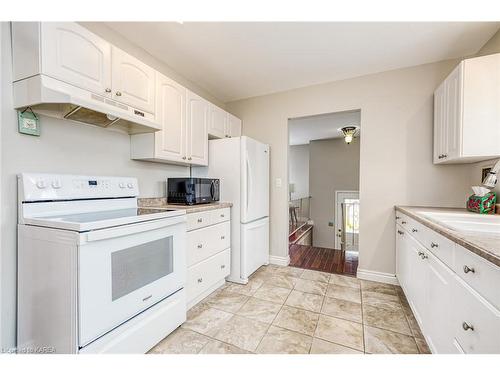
[[96, 273]]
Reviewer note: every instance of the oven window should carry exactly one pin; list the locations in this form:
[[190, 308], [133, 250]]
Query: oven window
[[136, 267]]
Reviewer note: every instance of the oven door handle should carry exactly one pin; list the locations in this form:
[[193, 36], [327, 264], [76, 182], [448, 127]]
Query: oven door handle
[[126, 230]]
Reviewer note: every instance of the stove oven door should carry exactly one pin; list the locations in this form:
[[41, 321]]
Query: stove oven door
[[124, 270]]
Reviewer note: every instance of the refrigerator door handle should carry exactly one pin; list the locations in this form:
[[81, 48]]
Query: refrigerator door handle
[[248, 187]]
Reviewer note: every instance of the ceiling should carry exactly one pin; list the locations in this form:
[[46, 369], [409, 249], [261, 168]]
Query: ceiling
[[305, 129], [235, 60]]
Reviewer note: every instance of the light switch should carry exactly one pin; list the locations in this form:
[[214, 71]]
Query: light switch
[[278, 182]]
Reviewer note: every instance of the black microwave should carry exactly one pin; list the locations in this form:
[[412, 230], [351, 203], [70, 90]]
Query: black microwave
[[192, 190]]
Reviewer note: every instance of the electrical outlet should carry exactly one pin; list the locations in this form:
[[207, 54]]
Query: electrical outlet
[[278, 182]]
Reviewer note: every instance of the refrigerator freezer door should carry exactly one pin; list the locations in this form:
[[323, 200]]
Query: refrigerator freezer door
[[254, 180], [254, 246]]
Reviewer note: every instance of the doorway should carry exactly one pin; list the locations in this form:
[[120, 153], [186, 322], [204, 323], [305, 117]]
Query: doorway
[[323, 187]]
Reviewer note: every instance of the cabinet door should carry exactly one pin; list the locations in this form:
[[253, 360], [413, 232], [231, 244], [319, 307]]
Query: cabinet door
[[453, 116], [439, 124], [402, 258], [133, 81], [170, 142], [197, 129], [417, 280], [218, 119], [76, 56], [233, 126]]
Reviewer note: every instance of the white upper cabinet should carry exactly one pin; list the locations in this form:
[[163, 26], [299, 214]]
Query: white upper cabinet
[[233, 126], [74, 55], [133, 81], [198, 118], [467, 112], [218, 120], [171, 111]]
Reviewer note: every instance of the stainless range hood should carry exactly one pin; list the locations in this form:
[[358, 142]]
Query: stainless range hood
[[51, 97]]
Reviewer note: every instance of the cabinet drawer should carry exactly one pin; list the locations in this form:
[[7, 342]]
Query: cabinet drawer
[[221, 215], [198, 220], [439, 245], [203, 275], [476, 322], [205, 242], [481, 275]]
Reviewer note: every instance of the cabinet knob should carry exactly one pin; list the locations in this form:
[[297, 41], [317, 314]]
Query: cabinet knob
[[108, 89], [403, 222], [183, 158], [222, 215], [118, 93], [222, 266], [200, 280], [200, 246], [189, 158], [400, 232], [468, 269], [398, 217], [222, 237], [414, 230], [445, 156], [433, 245], [424, 256], [200, 220], [420, 253], [466, 326]]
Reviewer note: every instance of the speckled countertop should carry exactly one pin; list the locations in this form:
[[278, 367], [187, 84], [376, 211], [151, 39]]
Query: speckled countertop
[[485, 245], [161, 203]]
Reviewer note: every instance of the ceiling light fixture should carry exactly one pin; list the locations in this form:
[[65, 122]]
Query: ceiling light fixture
[[349, 133]]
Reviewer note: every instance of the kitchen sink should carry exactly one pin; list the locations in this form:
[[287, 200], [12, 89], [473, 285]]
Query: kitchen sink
[[467, 222]]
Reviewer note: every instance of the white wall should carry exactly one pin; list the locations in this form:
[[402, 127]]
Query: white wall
[[298, 170], [63, 147], [333, 165], [396, 150]]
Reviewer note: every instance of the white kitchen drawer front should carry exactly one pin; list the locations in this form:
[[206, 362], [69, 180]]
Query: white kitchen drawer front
[[205, 242], [204, 274], [476, 322], [440, 246], [481, 275], [221, 215], [198, 220], [402, 219]]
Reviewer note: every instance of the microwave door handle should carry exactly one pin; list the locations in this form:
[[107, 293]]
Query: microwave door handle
[[212, 190]]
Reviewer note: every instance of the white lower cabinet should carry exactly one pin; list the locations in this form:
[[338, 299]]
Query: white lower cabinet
[[456, 310], [208, 252]]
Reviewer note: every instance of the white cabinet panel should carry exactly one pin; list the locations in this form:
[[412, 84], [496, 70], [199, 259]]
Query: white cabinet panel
[[205, 242], [76, 56], [233, 126], [197, 129], [255, 242], [218, 120], [171, 104], [133, 81]]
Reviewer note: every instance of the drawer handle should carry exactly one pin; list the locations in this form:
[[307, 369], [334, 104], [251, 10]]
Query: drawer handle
[[222, 237], [200, 280], [146, 298], [200, 220], [433, 245], [424, 256], [420, 253], [403, 222], [400, 232], [222, 266], [467, 326], [468, 269], [222, 215], [200, 246], [414, 230], [398, 217]]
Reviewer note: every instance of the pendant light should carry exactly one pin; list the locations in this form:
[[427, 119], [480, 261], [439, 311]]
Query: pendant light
[[349, 133]]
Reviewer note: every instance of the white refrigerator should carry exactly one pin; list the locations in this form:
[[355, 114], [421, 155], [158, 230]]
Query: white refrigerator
[[242, 165]]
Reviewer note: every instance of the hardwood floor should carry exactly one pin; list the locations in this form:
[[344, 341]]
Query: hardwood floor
[[323, 259]]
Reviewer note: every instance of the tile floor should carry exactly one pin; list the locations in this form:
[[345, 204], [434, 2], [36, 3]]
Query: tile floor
[[296, 311]]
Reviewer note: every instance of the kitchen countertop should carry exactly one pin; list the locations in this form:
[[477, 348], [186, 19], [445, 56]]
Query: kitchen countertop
[[161, 203], [484, 245]]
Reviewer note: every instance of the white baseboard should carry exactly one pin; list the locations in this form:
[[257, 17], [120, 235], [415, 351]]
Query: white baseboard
[[279, 261], [381, 277]]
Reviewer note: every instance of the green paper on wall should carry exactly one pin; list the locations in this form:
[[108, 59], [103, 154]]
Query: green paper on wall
[[28, 122]]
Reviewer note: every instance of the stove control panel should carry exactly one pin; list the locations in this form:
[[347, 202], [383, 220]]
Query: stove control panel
[[48, 187]]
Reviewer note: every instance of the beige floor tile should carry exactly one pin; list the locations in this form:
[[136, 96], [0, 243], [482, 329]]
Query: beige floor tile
[[308, 286], [344, 292], [422, 346], [325, 347], [374, 286], [342, 280], [289, 271], [414, 327], [393, 320], [259, 309], [323, 277], [380, 341], [242, 332], [381, 300], [297, 320], [219, 347], [207, 321], [247, 289], [340, 331], [283, 281], [272, 293], [282, 341], [181, 341], [227, 301], [343, 309], [306, 301]]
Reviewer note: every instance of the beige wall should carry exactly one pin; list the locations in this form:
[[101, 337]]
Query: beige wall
[[491, 46], [334, 165], [63, 147], [298, 170], [395, 157]]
